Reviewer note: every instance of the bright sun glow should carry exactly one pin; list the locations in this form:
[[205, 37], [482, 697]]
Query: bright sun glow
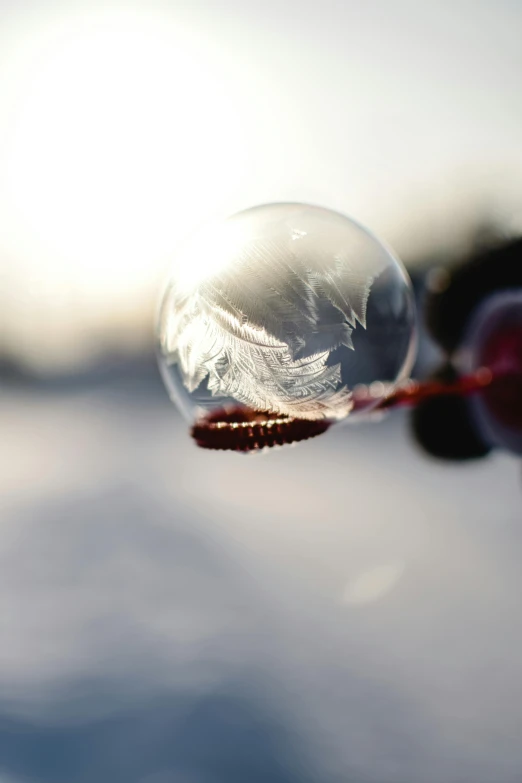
[[121, 137]]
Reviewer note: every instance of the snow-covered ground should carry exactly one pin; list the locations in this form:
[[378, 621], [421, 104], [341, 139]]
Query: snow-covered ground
[[344, 611]]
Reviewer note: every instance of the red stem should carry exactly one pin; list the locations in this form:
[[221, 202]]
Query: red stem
[[415, 392]]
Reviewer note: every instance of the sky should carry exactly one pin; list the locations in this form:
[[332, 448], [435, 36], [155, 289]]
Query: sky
[[125, 126]]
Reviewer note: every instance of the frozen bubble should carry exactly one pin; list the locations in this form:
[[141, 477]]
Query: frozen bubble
[[284, 308]]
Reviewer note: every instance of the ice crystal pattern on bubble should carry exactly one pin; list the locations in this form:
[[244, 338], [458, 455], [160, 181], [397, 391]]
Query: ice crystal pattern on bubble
[[262, 331]]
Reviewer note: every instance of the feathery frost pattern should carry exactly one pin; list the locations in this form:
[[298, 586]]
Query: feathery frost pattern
[[262, 330]]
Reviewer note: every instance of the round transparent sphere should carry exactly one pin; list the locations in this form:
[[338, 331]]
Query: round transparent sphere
[[289, 309], [493, 339]]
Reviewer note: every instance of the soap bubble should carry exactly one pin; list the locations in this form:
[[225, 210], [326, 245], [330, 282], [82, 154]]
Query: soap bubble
[[287, 309], [493, 340]]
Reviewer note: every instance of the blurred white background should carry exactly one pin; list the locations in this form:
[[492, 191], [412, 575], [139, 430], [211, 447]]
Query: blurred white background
[[345, 611], [123, 126]]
